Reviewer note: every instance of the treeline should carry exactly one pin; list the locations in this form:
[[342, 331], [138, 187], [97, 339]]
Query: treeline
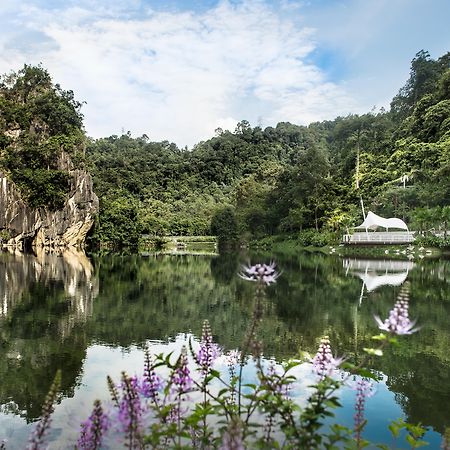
[[287, 178], [248, 183]]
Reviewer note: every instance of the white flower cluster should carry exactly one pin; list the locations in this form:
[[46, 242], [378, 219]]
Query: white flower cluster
[[263, 273]]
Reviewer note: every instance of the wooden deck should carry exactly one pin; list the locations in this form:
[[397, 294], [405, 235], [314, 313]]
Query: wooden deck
[[379, 237]]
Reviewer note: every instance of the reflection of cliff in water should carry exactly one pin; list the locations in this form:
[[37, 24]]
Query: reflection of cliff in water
[[70, 269], [44, 301]]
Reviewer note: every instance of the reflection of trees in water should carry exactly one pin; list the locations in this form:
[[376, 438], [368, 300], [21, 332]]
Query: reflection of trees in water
[[314, 298], [224, 267], [159, 297], [44, 298], [423, 393], [419, 368]]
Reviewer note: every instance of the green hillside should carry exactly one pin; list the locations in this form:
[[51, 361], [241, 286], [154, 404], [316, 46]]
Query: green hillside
[[276, 180]]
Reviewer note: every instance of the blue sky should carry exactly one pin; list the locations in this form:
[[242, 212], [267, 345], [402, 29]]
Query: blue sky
[[179, 69]]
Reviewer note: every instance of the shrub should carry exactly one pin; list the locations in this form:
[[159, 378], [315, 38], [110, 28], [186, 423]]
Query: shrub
[[313, 238]]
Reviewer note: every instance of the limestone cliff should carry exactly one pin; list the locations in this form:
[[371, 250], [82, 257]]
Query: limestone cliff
[[40, 227]]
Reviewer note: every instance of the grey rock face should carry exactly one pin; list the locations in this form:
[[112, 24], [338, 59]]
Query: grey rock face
[[67, 227]]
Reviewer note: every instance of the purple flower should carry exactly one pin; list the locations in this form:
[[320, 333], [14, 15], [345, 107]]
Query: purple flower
[[181, 380], [364, 390], [209, 351], [151, 382], [232, 438], [93, 429], [398, 321], [274, 381], [261, 273], [130, 410], [36, 440], [324, 363]]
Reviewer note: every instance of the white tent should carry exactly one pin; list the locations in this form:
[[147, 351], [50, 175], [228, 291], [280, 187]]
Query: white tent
[[373, 221]]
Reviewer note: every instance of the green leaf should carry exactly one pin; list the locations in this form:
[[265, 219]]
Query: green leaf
[[379, 337], [374, 351], [366, 373], [395, 428]]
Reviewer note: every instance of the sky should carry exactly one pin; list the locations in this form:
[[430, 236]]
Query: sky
[[177, 70]]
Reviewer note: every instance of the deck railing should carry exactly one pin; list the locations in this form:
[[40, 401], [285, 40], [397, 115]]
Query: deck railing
[[379, 237]]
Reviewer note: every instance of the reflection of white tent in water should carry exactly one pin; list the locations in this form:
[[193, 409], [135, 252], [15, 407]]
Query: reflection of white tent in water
[[377, 273]]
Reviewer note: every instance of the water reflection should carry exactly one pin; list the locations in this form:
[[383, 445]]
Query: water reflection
[[70, 267], [57, 308], [375, 273], [44, 298]]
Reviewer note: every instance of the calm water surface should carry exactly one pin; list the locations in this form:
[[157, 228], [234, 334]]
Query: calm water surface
[[91, 317]]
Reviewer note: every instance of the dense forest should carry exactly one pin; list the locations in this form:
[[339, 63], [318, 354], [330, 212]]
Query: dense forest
[[38, 123], [252, 182]]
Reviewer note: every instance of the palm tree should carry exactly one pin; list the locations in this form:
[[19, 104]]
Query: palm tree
[[424, 218], [445, 218]]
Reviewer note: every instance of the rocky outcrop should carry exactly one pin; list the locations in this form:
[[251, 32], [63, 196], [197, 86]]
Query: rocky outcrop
[[42, 227]]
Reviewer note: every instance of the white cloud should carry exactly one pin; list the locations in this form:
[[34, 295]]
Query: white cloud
[[180, 75]]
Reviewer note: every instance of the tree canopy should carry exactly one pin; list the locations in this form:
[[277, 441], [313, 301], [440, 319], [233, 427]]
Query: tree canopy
[[281, 179], [38, 121]]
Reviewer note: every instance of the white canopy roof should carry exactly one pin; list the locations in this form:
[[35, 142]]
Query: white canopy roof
[[373, 221]]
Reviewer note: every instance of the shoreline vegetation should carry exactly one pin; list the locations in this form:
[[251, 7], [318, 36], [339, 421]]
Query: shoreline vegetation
[[325, 243], [330, 244], [244, 183]]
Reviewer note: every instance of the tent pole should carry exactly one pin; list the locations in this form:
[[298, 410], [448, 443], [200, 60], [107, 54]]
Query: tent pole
[[362, 207]]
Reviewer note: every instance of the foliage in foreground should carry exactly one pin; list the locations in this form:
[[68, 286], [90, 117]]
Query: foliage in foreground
[[184, 402]]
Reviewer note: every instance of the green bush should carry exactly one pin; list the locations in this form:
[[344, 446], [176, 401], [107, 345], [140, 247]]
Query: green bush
[[313, 238], [43, 188], [433, 241], [224, 226]]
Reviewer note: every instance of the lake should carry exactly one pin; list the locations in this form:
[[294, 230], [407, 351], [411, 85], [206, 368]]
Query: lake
[[92, 316]]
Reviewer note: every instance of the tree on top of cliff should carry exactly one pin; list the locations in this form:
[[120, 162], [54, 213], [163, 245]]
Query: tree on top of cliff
[[38, 122]]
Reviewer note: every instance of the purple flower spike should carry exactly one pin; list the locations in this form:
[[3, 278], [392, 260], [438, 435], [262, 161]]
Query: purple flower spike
[[261, 273], [233, 358], [151, 383], [398, 321], [37, 438], [364, 390], [209, 351], [232, 438], [324, 363], [181, 376], [93, 429], [274, 381], [130, 410]]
